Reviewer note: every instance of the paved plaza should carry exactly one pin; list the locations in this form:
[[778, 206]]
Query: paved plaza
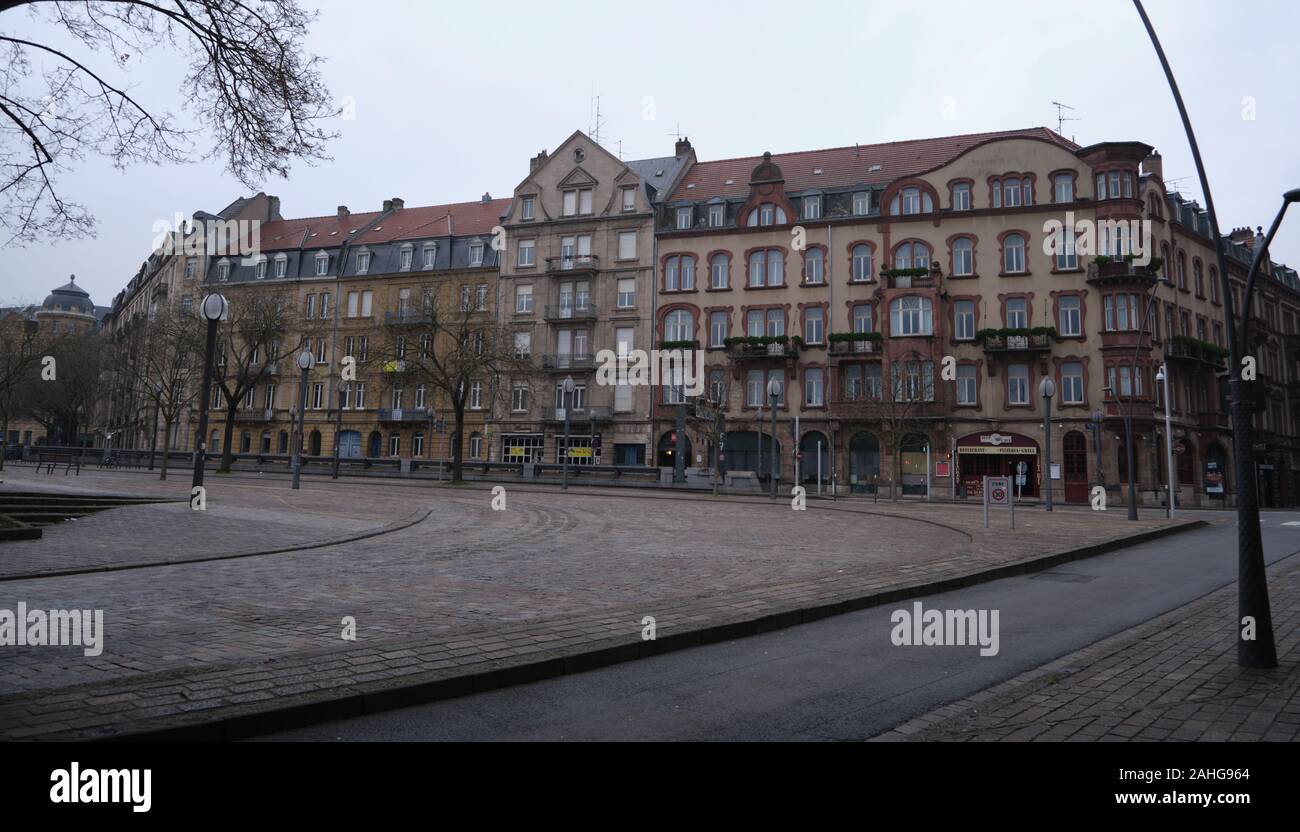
[[239, 608]]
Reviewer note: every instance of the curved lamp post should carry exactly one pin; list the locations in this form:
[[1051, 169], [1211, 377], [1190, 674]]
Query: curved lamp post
[[305, 362], [1252, 582], [773, 397], [1162, 377], [1047, 389], [566, 400], [214, 307]]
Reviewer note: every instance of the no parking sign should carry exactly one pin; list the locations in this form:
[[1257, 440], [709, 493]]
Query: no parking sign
[[997, 492]]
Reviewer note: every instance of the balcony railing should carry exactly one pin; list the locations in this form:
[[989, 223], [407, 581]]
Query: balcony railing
[[1029, 342], [408, 317], [863, 346], [405, 415], [1123, 271], [568, 362], [742, 350], [576, 414], [570, 312], [1194, 351], [574, 263]]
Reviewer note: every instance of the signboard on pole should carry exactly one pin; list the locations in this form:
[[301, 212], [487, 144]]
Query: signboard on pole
[[997, 492]]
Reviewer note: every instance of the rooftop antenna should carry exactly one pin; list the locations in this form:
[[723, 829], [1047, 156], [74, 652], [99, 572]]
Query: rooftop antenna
[[677, 133], [1061, 117], [620, 150], [599, 124]]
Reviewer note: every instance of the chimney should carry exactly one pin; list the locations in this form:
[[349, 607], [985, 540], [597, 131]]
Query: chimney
[[388, 205], [487, 197], [1154, 165], [273, 209], [1243, 236], [398, 203], [343, 212], [536, 162], [683, 146]]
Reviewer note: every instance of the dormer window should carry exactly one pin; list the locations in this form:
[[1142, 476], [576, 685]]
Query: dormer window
[[629, 198], [476, 254], [322, 264], [529, 205], [861, 203], [281, 265], [191, 268], [577, 202], [430, 252], [685, 218], [716, 215], [812, 207], [260, 268], [223, 270], [1011, 192], [363, 261], [404, 258], [961, 196]]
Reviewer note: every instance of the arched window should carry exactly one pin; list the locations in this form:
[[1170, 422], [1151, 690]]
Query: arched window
[[1013, 254], [963, 257], [812, 266], [912, 256], [476, 445], [911, 201], [862, 263], [313, 446], [911, 315], [679, 326], [766, 214], [1198, 279], [1182, 270], [719, 265]]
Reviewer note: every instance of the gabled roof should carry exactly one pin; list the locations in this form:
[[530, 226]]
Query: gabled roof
[[372, 227], [846, 166]]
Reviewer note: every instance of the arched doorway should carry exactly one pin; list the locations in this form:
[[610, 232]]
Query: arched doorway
[[214, 442], [350, 444], [245, 442], [666, 453], [1076, 467], [283, 444], [815, 455], [314, 444], [747, 450], [864, 463], [265, 446], [374, 445], [913, 462]]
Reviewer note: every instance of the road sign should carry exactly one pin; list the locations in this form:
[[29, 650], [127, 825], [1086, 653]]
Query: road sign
[[1022, 468], [997, 492], [1180, 448]]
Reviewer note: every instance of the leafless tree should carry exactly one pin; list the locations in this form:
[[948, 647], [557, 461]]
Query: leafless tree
[[708, 417], [64, 399], [449, 344], [161, 359], [259, 339], [907, 406], [19, 361], [250, 86]]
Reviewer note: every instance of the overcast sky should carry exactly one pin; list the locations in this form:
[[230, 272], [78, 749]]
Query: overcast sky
[[451, 99]]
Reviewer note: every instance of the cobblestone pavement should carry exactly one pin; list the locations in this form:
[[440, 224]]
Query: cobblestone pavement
[[444, 586], [1174, 678]]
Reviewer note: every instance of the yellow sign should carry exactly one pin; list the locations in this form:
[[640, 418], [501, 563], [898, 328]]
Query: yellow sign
[[579, 452], [516, 450]]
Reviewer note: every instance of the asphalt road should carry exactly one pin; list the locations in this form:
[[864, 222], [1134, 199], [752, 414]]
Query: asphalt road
[[840, 678]]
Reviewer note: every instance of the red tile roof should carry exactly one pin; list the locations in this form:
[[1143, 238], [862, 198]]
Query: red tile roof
[[844, 166], [475, 217]]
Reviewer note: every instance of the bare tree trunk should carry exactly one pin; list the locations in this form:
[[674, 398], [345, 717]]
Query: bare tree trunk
[[167, 432], [4, 441], [227, 452], [457, 445]]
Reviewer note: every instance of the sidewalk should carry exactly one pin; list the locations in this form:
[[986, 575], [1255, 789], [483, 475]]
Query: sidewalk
[[1173, 678]]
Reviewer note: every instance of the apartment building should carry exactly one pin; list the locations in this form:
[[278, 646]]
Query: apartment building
[[363, 286], [902, 297], [578, 278]]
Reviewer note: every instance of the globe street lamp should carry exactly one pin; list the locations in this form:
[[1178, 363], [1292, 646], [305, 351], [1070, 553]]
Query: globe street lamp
[[566, 399], [214, 307], [1162, 377], [305, 362], [1047, 389], [774, 397]]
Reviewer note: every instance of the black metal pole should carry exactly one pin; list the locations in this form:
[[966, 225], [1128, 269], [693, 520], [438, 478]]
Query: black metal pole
[[776, 462], [1047, 443], [1252, 581], [153, 435], [301, 429], [338, 434], [205, 400]]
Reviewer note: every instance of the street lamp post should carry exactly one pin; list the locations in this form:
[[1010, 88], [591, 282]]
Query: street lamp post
[[567, 401], [773, 397], [1162, 376], [1047, 389], [1252, 581], [305, 362], [338, 433], [214, 308]]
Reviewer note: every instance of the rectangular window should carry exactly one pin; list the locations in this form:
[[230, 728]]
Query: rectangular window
[[523, 299], [755, 382], [311, 306], [754, 323], [627, 245], [629, 199], [961, 197], [775, 322], [814, 387], [862, 317], [570, 203], [317, 396], [812, 207], [367, 302], [813, 325], [861, 203], [717, 328], [523, 344], [1018, 384], [529, 205], [584, 201], [324, 305], [626, 292], [966, 384], [361, 396], [1071, 322], [526, 252], [363, 262], [1072, 383], [964, 320], [476, 254], [430, 252], [683, 218], [1017, 313], [715, 216]]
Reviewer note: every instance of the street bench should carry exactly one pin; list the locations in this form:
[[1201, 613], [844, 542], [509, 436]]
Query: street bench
[[48, 462]]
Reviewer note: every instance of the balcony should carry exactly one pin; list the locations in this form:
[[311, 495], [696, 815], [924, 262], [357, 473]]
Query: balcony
[[568, 362], [915, 278], [760, 347], [1197, 354], [404, 415], [577, 414], [269, 414], [408, 317], [579, 263], [863, 346], [1107, 272], [563, 313], [1007, 341]]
